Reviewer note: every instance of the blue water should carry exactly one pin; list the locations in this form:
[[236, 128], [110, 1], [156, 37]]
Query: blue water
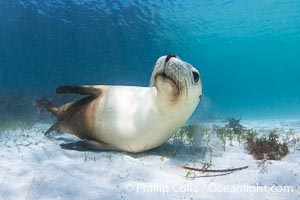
[[248, 51]]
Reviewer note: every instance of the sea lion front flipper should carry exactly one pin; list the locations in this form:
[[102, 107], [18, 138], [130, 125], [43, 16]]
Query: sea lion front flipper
[[101, 145], [79, 89], [88, 145]]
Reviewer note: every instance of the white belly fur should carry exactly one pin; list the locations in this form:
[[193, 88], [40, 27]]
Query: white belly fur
[[129, 119]]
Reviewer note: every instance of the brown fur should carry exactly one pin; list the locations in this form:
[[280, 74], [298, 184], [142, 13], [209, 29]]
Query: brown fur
[[78, 117]]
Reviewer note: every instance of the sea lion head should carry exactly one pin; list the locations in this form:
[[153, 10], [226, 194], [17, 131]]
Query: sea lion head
[[176, 80]]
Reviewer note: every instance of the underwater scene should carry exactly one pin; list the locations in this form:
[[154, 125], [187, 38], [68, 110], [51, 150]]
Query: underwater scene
[[166, 99]]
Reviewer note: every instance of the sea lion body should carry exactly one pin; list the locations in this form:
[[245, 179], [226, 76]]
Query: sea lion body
[[129, 118], [135, 122]]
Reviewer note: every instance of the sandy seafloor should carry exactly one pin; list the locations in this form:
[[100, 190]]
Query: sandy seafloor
[[33, 166]]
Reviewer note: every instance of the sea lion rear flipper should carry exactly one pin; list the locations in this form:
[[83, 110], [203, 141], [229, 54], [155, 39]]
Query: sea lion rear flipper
[[79, 89], [44, 103], [53, 128]]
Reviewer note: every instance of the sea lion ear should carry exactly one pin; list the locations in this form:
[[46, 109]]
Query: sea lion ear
[[80, 89]]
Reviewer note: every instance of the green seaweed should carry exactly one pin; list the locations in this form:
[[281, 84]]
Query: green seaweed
[[11, 125], [186, 132], [268, 146]]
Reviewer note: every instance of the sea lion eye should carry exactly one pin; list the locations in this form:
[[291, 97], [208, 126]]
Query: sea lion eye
[[196, 76]]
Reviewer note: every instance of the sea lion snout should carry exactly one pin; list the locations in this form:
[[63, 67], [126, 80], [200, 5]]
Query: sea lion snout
[[169, 56], [176, 79]]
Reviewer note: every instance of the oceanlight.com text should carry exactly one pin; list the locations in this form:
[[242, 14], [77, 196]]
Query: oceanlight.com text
[[212, 187]]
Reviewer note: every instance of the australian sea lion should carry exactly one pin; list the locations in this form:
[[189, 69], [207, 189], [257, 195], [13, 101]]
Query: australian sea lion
[[132, 119]]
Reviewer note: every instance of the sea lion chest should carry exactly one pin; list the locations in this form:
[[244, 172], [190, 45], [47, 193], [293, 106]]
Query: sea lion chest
[[130, 119]]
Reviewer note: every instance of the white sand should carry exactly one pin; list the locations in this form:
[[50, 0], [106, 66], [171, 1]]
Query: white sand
[[35, 167]]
